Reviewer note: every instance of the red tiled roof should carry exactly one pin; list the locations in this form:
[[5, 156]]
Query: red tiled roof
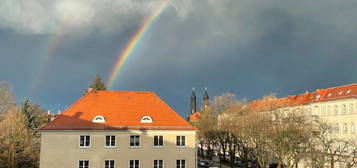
[[122, 110], [320, 95], [195, 116]]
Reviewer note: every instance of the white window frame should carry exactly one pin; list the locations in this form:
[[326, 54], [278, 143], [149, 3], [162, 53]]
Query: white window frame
[[110, 141], [180, 165], [134, 141], [353, 128], [180, 141], [134, 163], [163, 163], [352, 109], [83, 161], [85, 139], [159, 146], [146, 119], [344, 109], [109, 162]]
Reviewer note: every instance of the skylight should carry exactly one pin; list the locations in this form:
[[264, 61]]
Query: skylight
[[329, 95], [98, 119], [340, 93], [146, 119], [348, 91]]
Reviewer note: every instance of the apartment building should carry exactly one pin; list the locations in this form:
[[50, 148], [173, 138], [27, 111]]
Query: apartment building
[[118, 129], [336, 106]]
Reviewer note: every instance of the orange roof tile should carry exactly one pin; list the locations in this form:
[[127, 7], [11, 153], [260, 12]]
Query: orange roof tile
[[121, 110], [320, 95]]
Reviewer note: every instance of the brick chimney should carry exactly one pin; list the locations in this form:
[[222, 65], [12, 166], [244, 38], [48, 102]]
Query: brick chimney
[[89, 90]]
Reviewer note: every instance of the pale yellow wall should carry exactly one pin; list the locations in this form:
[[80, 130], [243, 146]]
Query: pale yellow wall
[[60, 149]]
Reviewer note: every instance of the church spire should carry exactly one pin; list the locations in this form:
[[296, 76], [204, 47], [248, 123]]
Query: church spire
[[193, 102], [205, 99]]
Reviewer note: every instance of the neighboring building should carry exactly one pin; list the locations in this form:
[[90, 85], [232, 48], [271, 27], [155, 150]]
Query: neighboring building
[[115, 129], [336, 106]]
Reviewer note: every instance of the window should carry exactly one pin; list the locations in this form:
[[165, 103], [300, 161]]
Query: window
[[348, 91], [158, 140], [84, 141], [158, 163], [110, 141], [345, 128], [98, 119], [134, 164], [353, 128], [146, 119], [83, 164], [180, 163], [344, 109], [328, 110], [340, 93], [337, 128], [336, 109], [134, 140], [352, 109], [329, 95], [109, 163], [180, 141]]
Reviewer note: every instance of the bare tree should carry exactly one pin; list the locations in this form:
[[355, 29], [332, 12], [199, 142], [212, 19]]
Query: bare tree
[[6, 98], [16, 145]]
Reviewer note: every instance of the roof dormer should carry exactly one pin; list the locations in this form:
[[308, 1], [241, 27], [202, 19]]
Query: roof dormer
[[146, 119], [98, 119]]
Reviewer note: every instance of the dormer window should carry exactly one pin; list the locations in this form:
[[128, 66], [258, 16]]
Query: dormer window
[[146, 119], [329, 95], [98, 119], [348, 91], [340, 93]]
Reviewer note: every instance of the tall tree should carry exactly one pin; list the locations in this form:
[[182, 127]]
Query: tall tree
[[98, 84], [34, 117]]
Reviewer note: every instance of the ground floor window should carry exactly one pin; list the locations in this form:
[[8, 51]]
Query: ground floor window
[[134, 164], [180, 163], [158, 163], [109, 164], [83, 164]]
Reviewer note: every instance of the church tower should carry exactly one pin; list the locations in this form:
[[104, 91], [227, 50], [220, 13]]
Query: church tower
[[193, 102], [205, 99]]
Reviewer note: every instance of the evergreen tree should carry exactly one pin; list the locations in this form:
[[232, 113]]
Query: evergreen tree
[[27, 111], [98, 84]]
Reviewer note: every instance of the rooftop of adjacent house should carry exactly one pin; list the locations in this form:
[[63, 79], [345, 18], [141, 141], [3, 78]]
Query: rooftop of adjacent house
[[119, 110], [320, 95]]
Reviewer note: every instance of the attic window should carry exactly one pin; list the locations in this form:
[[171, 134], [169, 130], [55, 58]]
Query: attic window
[[329, 95], [317, 96], [146, 119], [340, 93], [98, 119], [348, 91]]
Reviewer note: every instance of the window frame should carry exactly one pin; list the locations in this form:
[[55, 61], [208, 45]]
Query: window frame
[[134, 141], [134, 163], [163, 163], [180, 141], [85, 139], [79, 161], [159, 146], [181, 165], [109, 163], [110, 141]]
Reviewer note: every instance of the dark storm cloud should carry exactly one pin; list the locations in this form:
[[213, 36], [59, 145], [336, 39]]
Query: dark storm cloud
[[247, 47]]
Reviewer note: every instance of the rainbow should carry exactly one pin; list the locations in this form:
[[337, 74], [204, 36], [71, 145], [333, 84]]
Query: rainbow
[[52, 43], [135, 40]]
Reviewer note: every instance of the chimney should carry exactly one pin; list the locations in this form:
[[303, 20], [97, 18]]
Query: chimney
[[48, 112], [59, 111], [89, 90]]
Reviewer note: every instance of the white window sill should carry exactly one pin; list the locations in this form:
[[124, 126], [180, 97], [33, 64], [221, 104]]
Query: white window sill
[[84, 147], [110, 147]]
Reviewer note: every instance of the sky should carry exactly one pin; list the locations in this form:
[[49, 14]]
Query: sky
[[51, 50]]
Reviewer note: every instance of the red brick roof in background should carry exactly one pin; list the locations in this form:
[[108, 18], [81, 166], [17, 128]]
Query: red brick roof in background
[[122, 110], [320, 95]]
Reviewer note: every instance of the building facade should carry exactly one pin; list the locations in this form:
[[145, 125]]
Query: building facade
[[113, 129], [336, 106]]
